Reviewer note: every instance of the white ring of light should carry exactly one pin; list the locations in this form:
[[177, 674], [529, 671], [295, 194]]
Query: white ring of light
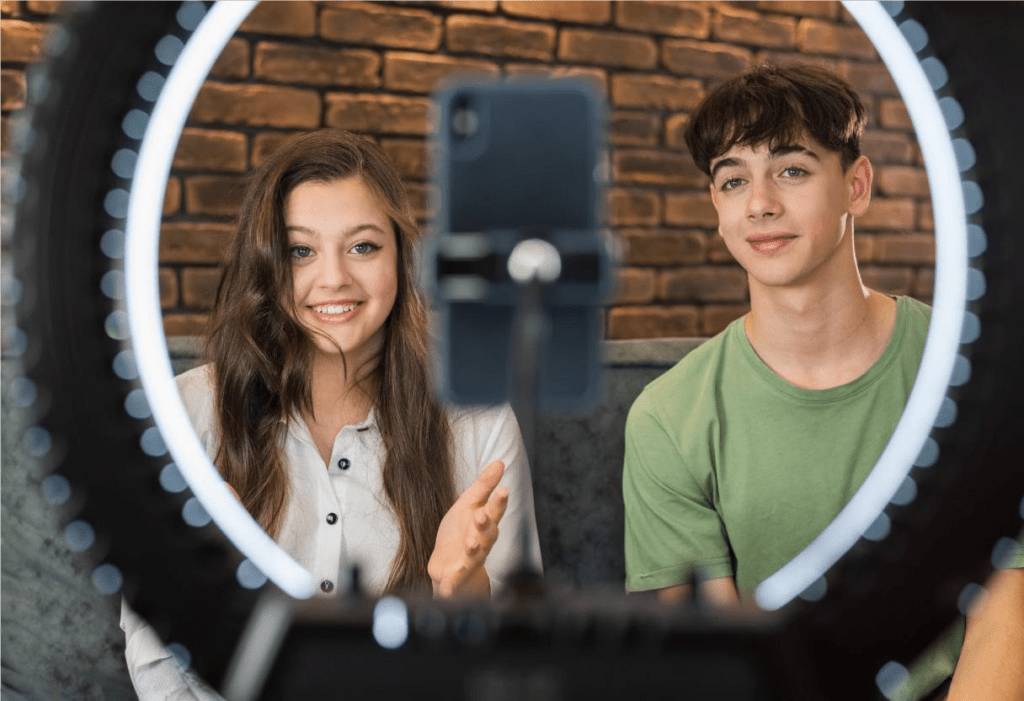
[[949, 303], [156, 375], [142, 236]]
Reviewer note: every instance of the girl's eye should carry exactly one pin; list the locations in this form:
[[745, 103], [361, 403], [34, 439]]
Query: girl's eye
[[365, 248], [301, 251]]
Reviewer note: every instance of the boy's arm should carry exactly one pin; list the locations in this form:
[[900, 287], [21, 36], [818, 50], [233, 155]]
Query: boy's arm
[[991, 664], [720, 592]]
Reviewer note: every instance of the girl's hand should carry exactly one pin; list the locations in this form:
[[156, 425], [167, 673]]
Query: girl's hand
[[465, 536]]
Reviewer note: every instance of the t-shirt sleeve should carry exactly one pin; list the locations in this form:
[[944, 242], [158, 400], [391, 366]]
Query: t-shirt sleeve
[[672, 527]]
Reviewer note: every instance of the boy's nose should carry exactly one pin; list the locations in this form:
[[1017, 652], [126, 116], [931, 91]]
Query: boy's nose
[[763, 201]]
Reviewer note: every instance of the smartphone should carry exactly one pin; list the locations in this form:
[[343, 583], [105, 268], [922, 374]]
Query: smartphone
[[513, 161]]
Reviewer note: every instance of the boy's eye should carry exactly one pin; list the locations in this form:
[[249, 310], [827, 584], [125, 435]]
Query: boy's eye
[[794, 171], [365, 248], [731, 183], [301, 251]]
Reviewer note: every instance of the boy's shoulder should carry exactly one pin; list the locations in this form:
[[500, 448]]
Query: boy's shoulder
[[691, 383]]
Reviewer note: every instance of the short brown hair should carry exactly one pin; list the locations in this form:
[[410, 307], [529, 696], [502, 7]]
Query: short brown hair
[[774, 106]]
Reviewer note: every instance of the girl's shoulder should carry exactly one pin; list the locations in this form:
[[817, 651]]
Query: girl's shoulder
[[196, 389]]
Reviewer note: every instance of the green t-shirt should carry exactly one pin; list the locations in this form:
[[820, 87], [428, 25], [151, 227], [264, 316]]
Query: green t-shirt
[[733, 469]]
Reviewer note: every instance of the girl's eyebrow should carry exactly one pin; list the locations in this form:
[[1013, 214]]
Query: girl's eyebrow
[[348, 233]]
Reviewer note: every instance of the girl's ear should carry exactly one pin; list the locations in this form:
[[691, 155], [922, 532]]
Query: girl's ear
[[859, 178]]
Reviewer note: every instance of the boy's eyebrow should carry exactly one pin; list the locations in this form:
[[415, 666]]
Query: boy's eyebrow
[[724, 163], [786, 149], [783, 150]]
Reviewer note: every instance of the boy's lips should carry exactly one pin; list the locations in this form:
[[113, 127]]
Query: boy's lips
[[769, 243]]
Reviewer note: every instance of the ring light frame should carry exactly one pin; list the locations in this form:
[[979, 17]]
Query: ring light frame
[[113, 463]]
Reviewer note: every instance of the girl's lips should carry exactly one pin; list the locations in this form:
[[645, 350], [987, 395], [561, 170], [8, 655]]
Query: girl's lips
[[770, 245], [324, 313]]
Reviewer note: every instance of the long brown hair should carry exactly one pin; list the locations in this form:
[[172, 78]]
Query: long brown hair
[[261, 355]]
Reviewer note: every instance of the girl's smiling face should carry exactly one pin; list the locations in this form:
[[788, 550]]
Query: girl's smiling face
[[344, 258]]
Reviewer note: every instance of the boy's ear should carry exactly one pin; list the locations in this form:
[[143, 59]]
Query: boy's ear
[[714, 195], [859, 179]]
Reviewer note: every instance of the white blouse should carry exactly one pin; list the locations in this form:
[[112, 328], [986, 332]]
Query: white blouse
[[338, 515]]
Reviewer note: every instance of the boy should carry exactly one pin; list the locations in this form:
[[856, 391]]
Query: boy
[[741, 454]]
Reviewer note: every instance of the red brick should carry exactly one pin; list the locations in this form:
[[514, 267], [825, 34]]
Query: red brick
[[20, 41], [715, 317], [256, 105], [655, 91], [634, 286], [296, 18], [597, 77], [168, 281], [233, 61], [818, 37], [893, 281], [870, 78], [752, 28], [887, 214], [423, 199], [179, 324], [387, 114], [924, 283], [421, 72], [316, 65], [690, 209], [925, 217], [656, 167], [661, 246], [199, 287], [893, 114], [633, 207], [381, 25], [864, 247], [265, 143], [213, 195], [5, 135], [9, 8], [674, 128], [590, 12], [905, 248], [44, 7], [698, 58], [626, 128], [478, 5], [172, 197], [902, 180], [887, 147], [12, 90], [211, 149], [652, 322], [607, 48], [672, 18], [718, 252], [782, 58], [703, 284], [409, 157], [500, 37], [193, 242], [828, 10]]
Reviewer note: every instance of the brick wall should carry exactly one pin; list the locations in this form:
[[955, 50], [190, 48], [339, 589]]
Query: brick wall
[[369, 67]]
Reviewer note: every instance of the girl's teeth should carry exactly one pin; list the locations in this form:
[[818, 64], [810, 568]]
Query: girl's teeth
[[335, 309]]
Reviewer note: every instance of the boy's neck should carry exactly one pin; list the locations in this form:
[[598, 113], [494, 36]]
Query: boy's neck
[[822, 334]]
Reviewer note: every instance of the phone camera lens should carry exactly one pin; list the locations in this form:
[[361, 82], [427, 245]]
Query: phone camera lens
[[465, 121]]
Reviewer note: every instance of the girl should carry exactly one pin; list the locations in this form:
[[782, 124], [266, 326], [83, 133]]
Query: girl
[[317, 407]]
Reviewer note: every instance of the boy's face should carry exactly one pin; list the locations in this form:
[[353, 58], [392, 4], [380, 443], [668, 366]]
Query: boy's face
[[786, 214]]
